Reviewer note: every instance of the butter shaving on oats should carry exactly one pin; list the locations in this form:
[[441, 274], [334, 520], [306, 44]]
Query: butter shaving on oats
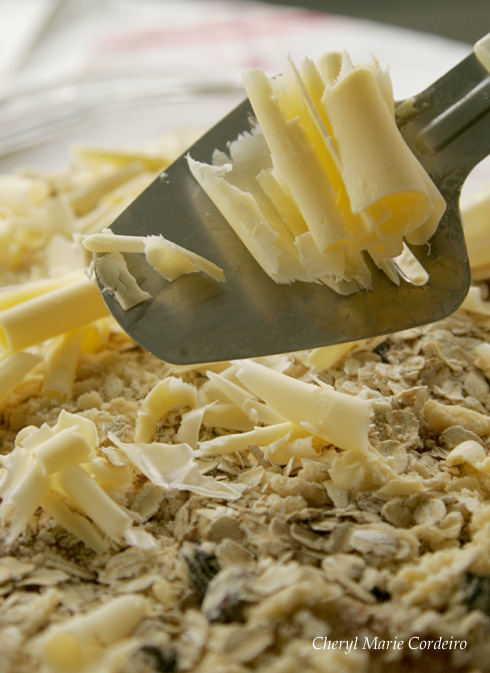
[[262, 436], [244, 399], [190, 425], [366, 469], [60, 363], [14, 368], [82, 640], [167, 394], [16, 294], [51, 465], [324, 357], [172, 466], [74, 522], [440, 416], [338, 418], [48, 315], [472, 453], [475, 303]]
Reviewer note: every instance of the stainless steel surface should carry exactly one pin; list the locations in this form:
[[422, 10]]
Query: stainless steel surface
[[195, 319]]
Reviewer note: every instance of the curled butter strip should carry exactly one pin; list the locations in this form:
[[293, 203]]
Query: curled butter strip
[[16, 294], [14, 368], [166, 395], [339, 180], [338, 418], [48, 315], [60, 364]]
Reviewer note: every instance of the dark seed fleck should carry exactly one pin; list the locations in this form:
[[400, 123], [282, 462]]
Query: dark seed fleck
[[381, 350], [477, 592], [380, 595], [202, 567], [231, 609], [162, 661]]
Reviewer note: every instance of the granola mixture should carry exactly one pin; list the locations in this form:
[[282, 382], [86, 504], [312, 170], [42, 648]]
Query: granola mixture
[[241, 562]]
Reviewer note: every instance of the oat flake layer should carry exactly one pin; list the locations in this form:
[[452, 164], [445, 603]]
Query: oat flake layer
[[235, 554]]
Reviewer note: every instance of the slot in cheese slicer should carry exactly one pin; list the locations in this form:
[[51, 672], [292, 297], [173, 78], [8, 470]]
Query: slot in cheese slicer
[[195, 319]]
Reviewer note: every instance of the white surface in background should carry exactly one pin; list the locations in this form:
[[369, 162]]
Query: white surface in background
[[21, 23], [190, 42], [213, 40]]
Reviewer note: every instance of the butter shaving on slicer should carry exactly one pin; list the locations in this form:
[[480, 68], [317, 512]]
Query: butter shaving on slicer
[[169, 259], [338, 181], [116, 279]]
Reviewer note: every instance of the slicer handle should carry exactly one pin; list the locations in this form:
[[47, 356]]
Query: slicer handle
[[448, 124]]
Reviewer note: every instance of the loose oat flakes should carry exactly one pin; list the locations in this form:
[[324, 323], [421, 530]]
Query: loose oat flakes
[[243, 535]]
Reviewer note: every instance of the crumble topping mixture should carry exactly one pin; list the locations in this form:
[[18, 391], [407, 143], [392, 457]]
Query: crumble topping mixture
[[164, 518]]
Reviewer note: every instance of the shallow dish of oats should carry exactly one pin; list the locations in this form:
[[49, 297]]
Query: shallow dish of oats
[[164, 518]]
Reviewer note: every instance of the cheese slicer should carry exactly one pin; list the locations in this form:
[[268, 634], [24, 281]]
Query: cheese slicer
[[195, 319]]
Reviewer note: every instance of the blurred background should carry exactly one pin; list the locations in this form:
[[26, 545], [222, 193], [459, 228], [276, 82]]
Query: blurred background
[[464, 20], [120, 71], [30, 30]]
